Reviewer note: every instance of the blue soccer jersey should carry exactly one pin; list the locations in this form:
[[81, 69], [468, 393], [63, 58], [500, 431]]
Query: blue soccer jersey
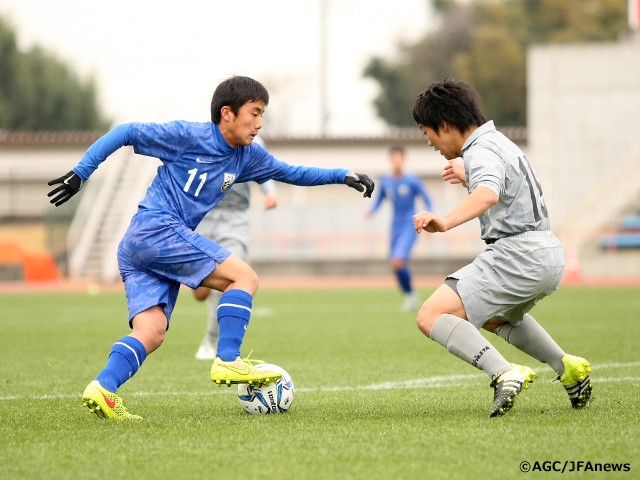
[[402, 192], [198, 166], [160, 250]]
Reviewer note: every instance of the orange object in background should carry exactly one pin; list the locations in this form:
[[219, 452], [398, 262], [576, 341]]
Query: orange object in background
[[30, 266], [10, 253], [39, 266]]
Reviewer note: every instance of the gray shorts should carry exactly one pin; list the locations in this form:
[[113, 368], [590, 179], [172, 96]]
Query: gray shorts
[[227, 227], [510, 277]]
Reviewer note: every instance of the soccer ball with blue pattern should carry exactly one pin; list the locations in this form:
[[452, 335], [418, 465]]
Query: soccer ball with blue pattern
[[273, 398]]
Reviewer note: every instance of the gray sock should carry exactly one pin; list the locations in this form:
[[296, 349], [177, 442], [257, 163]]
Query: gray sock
[[213, 329], [533, 340], [464, 341]]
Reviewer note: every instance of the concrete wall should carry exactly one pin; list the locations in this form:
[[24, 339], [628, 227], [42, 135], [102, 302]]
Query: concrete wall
[[583, 117]]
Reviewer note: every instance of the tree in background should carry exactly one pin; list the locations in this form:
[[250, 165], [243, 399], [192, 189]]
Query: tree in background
[[484, 42], [40, 93]]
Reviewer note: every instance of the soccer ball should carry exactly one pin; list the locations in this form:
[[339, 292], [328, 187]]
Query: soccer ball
[[273, 398]]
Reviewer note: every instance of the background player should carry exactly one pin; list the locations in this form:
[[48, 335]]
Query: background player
[[227, 224], [401, 189], [523, 261], [160, 251]]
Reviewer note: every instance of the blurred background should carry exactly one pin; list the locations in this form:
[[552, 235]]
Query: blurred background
[[559, 77]]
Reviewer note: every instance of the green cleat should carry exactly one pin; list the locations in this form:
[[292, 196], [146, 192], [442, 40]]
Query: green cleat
[[241, 371], [105, 404], [507, 386], [576, 381]]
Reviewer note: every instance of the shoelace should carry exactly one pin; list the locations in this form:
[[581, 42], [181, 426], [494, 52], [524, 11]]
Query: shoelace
[[251, 361]]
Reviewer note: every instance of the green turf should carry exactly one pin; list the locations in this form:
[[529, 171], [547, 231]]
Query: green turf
[[375, 399]]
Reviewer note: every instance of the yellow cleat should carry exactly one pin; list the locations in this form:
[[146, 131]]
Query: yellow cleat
[[241, 371], [105, 404], [575, 380], [507, 386]]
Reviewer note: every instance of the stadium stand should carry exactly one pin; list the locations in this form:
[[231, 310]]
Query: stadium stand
[[627, 236]]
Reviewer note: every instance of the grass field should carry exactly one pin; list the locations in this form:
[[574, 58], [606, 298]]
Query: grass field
[[374, 398]]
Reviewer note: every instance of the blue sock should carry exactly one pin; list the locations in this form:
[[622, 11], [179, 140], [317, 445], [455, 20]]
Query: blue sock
[[126, 357], [234, 311], [404, 279]]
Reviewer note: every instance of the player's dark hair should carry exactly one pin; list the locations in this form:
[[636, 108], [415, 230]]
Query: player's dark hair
[[235, 92], [454, 102], [396, 148]]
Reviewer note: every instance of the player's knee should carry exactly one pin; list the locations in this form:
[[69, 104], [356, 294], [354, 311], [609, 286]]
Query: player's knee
[[244, 278], [201, 293], [425, 320], [250, 280], [397, 264], [150, 327]]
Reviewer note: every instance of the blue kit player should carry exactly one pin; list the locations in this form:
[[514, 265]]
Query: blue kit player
[[160, 250], [401, 189], [522, 263]]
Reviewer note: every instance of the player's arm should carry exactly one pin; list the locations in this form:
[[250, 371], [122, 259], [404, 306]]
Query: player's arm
[[426, 198], [268, 167], [71, 183], [377, 201], [270, 194], [478, 202]]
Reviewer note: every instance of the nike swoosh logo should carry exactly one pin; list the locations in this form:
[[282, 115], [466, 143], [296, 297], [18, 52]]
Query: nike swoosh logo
[[199, 160], [110, 403], [241, 368]]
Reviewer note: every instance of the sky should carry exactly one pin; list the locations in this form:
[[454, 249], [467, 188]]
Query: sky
[[161, 60]]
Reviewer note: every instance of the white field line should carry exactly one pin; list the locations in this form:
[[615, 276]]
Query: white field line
[[438, 381]]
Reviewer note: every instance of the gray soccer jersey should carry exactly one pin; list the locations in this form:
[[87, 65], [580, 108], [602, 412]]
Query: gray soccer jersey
[[228, 222], [493, 161], [524, 261]]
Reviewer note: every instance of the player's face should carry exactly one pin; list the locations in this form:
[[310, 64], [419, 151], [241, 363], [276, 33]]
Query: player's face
[[444, 140], [242, 128], [397, 161]]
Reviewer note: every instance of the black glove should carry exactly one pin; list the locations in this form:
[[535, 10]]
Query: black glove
[[70, 184], [360, 182]]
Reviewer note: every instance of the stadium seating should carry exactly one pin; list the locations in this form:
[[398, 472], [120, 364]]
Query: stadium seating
[[627, 236]]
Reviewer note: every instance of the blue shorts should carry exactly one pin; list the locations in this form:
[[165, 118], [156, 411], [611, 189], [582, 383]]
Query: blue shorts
[[402, 241], [156, 255]]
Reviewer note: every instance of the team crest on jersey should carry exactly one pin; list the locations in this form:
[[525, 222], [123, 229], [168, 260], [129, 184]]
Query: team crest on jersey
[[229, 178]]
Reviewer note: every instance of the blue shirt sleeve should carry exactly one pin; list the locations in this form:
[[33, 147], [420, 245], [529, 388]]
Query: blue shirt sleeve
[[425, 196], [382, 194], [101, 149], [263, 166]]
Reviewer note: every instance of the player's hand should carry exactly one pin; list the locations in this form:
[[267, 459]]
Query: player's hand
[[360, 182], [68, 185], [428, 222], [270, 201], [454, 173]]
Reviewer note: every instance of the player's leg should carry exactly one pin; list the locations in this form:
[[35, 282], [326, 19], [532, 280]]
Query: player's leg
[[149, 324], [209, 344], [233, 233], [443, 318], [213, 226], [540, 273], [125, 359], [151, 295], [401, 244], [239, 283], [529, 337]]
